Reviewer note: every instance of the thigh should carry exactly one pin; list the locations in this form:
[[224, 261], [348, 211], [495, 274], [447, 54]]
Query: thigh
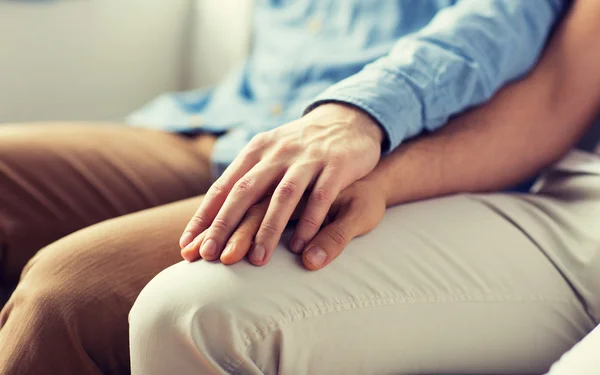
[[563, 221], [450, 285], [56, 179], [69, 312]]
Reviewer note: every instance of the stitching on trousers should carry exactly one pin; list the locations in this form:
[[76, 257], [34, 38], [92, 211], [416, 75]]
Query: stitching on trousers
[[321, 309], [260, 333]]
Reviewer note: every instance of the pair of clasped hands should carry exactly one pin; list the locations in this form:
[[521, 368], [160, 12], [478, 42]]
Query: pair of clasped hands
[[315, 170]]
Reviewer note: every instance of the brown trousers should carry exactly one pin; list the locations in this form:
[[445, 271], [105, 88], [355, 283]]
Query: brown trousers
[[68, 315]]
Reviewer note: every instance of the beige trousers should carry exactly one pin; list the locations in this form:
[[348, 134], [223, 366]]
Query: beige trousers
[[482, 284]]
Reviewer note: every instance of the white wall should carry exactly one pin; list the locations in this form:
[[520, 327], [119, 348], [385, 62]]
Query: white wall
[[92, 59], [220, 39]]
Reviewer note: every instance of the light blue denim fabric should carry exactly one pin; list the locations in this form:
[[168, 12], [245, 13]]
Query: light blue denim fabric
[[411, 64]]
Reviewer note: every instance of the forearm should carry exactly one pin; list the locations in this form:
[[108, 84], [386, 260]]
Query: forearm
[[460, 59], [527, 125]]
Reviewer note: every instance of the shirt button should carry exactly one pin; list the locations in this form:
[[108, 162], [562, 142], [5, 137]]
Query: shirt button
[[314, 25], [277, 109], [195, 122]]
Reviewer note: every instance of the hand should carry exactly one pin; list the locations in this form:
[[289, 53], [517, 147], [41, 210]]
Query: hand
[[326, 150], [356, 211]]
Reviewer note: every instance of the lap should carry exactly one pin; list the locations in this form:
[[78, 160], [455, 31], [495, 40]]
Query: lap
[[451, 284], [58, 178]]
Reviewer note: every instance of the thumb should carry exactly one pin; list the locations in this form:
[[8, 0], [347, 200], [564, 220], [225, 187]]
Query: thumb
[[331, 240]]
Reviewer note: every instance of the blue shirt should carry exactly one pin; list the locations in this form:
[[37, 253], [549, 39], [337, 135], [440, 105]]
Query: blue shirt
[[411, 64]]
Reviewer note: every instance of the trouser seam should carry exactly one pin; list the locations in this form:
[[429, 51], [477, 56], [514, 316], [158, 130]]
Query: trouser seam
[[232, 364]]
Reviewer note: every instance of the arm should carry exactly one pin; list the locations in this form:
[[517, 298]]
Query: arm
[[526, 127], [458, 60], [465, 54]]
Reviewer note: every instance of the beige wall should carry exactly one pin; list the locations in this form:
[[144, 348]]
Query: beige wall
[[101, 59], [88, 59], [220, 39]]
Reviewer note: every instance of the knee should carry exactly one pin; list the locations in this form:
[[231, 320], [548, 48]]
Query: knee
[[172, 302], [45, 309], [62, 288], [187, 315]]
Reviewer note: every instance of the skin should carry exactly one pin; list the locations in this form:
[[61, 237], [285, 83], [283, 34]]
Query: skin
[[323, 153], [526, 127]]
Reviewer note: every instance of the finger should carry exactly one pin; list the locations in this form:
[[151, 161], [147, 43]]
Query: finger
[[239, 244], [218, 192], [191, 252], [328, 218], [247, 191], [321, 198], [300, 206], [332, 239], [283, 203]]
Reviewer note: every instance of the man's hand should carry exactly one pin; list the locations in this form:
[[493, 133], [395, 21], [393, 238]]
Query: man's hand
[[356, 211], [324, 152]]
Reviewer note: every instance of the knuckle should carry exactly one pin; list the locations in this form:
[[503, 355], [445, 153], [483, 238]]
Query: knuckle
[[285, 148], [308, 164], [322, 196], [310, 224], [268, 229], [259, 141], [338, 235], [251, 155], [339, 158], [286, 190], [315, 152], [198, 221], [217, 189], [244, 185], [221, 224]]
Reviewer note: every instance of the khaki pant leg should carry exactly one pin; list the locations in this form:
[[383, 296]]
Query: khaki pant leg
[[58, 178], [68, 315], [463, 284]]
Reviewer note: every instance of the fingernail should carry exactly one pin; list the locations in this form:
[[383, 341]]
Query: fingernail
[[316, 256], [297, 245], [258, 253], [188, 246], [186, 239], [209, 248]]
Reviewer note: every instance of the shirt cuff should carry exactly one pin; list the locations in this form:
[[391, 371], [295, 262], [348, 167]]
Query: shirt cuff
[[391, 103]]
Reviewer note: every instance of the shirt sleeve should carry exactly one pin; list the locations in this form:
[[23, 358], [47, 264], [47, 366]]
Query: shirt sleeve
[[460, 59]]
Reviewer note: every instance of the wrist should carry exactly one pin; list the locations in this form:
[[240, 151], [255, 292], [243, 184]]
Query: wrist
[[355, 116], [378, 181]]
